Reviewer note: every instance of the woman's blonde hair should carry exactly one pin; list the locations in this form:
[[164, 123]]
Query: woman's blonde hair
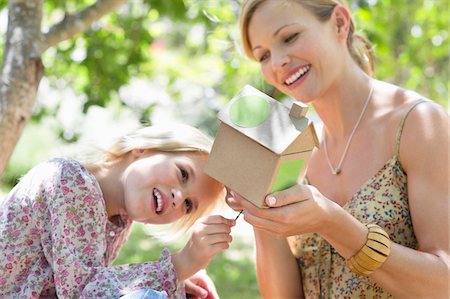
[[360, 48], [166, 138]]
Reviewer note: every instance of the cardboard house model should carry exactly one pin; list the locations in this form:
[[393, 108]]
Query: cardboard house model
[[261, 146]]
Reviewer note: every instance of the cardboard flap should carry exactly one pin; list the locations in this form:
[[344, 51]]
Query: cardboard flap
[[263, 119], [305, 142]]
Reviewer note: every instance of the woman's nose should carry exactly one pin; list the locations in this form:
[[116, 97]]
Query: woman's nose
[[279, 60], [177, 197]]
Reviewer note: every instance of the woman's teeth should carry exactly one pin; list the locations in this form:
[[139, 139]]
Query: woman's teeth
[[158, 200], [297, 75]]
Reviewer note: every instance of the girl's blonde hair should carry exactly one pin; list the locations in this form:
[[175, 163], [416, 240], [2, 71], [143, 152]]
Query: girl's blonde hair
[[167, 138], [360, 48]]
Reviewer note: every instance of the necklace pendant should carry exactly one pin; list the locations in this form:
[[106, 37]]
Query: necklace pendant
[[336, 170]]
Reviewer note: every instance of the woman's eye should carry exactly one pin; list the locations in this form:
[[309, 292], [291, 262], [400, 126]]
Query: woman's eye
[[188, 205], [184, 175], [291, 38]]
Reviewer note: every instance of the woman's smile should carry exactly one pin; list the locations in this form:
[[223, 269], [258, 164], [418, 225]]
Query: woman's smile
[[297, 76]]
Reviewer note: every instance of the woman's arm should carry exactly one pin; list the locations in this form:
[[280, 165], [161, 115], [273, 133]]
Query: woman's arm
[[276, 267], [424, 154]]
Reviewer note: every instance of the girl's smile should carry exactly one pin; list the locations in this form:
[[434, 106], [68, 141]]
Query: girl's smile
[[159, 201]]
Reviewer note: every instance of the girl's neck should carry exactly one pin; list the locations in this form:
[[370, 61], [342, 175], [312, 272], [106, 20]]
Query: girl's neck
[[108, 175]]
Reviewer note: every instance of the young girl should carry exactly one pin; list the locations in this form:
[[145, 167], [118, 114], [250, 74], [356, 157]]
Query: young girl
[[63, 225]]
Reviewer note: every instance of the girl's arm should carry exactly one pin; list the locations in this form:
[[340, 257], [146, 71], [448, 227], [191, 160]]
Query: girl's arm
[[211, 234]]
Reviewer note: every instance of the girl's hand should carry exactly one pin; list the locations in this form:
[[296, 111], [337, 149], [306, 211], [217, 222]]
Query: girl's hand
[[200, 286], [211, 234], [297, 210]]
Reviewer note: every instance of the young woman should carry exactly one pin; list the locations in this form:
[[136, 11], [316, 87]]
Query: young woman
[[371, 219], [64, 223]]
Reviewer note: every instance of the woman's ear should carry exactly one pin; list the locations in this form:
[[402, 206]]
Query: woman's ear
[[342, 20]]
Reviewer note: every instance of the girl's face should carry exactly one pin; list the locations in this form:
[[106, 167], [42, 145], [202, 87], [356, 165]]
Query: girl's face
[[298, 54], [161, 187]]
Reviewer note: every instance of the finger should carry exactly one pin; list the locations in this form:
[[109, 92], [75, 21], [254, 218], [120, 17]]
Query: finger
[[218, 238], [231, 200], [297, 193], [233, 204], [213, 229], [195, 291], [218, 247], [217, 219]]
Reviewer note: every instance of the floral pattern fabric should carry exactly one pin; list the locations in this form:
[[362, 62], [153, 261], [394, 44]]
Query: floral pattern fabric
[[57, 242], [382, 200]]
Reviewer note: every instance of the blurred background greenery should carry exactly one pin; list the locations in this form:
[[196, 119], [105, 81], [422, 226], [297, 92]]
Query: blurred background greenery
[[158, 61]]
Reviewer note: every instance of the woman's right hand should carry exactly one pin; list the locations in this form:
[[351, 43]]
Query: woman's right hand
[[211, 235]]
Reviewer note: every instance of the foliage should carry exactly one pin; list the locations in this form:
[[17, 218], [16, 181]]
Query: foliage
[[411, 44]]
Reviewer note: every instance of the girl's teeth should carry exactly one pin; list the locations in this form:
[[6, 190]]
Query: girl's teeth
[[297, 75], [158, 200]]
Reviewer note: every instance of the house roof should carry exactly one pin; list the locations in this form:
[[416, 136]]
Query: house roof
[[266, 120]]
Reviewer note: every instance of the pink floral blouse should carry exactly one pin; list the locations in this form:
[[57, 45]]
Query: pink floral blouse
[[56, 241]]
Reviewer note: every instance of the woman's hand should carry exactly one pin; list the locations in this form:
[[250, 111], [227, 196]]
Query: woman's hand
[[230, 199], [200, 286], [297, 210], [211, 234]]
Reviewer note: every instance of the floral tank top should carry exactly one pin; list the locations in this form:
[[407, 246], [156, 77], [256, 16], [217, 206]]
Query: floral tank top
[[383, 200]]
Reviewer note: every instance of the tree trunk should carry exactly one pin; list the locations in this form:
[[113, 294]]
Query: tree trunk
[[21, 73], [22, 68]]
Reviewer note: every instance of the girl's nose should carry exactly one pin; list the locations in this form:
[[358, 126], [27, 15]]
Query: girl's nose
[[177, 198]]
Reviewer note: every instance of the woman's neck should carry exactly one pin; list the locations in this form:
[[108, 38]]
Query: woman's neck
[[340, 107]]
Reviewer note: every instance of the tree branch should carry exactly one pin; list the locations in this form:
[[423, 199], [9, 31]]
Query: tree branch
[[79, 22]]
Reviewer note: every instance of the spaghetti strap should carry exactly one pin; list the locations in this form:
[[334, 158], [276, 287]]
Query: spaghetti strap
[[402, 123]]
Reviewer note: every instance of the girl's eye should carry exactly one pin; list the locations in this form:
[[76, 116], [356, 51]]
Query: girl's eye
[[264, 57], [184, 175], [291, 38], [188, 205]]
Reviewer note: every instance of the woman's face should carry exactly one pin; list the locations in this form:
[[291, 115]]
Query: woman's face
[[298, 54], [161, 187]]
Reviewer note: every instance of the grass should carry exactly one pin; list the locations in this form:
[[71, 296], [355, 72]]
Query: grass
[[233, 270]]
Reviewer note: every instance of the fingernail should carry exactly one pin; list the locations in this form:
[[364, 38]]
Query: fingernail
[[233, 194], [270, 200]]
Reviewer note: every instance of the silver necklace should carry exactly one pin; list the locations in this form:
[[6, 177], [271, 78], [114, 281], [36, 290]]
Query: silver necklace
[[337, 170]]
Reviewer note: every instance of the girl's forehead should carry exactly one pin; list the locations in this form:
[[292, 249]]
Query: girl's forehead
[[191, 157]]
